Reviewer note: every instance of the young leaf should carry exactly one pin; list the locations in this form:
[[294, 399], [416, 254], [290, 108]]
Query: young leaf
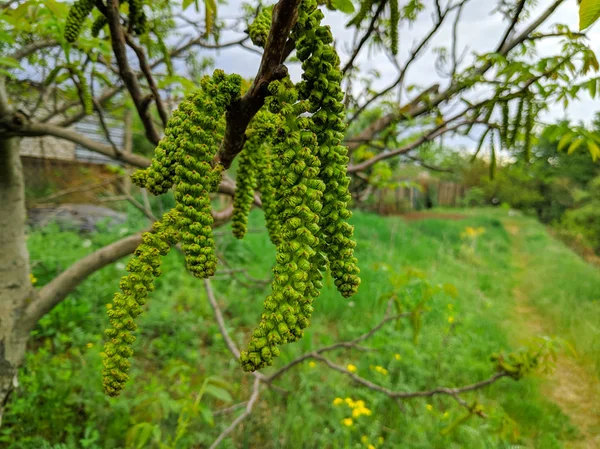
[[575, 145], [344, 6], [589, 12]]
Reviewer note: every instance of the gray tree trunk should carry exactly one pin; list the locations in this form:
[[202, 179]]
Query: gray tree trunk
[[16, 290]]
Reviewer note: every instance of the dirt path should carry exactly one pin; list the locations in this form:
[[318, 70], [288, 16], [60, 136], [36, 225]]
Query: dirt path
[[572, 387]]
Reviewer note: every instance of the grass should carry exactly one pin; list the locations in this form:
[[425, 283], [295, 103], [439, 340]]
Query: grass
[[563, 286], [179, 347]]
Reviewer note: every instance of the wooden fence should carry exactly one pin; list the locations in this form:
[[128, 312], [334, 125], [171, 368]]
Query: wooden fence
[[425, 195]]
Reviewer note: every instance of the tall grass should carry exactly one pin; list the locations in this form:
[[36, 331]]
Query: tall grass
[[179, 346]]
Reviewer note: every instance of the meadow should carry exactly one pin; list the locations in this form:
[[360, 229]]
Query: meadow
[[465, 277]]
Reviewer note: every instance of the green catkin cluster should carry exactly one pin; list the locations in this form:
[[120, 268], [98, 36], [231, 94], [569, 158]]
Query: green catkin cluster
[[517, 122], [127, 304], [298, 203], [202, 129], [529, 123], [265, 174], [504, 130], [321, 86], [492, 157], [258, 30], [254, 170], [137, 17], [80, 10], [365, 8], [394, 23], [98, 25], [246, 182], [85, 94], [184, 158]]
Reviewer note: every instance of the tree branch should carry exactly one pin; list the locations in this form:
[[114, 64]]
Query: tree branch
[[364, 39], [147, 71], [129, 77], [413, 110], [25, 51], [240, 113], [247, 411], [44, 129], [54, 292]]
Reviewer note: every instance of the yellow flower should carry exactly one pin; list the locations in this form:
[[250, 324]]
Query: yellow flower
[[429, 407], [32, 278], [370, 446], [338, 401], [381, 370], [359, 411], [311, 364], [90, 345], [347, 422], [451, 319], [351, 368], [364, 439], [350, 402], [398, 357], [360, 403]]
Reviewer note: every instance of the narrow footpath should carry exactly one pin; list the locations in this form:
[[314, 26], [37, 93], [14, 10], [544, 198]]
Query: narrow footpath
[[573, 387]]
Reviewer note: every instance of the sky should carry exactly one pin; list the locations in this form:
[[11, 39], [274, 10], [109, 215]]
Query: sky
[[480, 31]]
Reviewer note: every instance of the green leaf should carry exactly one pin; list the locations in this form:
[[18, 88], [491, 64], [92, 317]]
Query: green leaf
[[7, 61], [211, 14], [594, 149], [564, 141], [207, 415], [592, 85], [186, 3], [589, 12], [575, 145], [344, 6], [219, 393]]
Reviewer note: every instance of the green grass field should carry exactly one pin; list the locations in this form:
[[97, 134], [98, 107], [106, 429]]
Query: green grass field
[[464, 280]]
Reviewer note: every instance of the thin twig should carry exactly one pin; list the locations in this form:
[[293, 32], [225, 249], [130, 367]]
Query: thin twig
[[243, 416]]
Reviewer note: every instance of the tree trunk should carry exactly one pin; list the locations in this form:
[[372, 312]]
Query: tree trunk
[[15, 285], [16, 290]]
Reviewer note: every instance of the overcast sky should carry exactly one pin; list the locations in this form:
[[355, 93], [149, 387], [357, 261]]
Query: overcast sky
[[479, 32]]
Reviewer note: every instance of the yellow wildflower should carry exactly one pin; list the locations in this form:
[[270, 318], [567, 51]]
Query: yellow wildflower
[[32, 278], [338, 401], [451, 319], [350, 402], [347, 422], [359, 411], [429, 407], [370, 446], [311, 364], [90, 345], [381, 370], [364, 439], [351, 368], [398, 357]]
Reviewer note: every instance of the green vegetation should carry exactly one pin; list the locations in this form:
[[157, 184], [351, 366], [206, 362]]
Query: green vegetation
[[180, 352]]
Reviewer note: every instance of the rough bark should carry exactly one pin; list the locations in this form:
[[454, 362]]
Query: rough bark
[[15, 285]]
